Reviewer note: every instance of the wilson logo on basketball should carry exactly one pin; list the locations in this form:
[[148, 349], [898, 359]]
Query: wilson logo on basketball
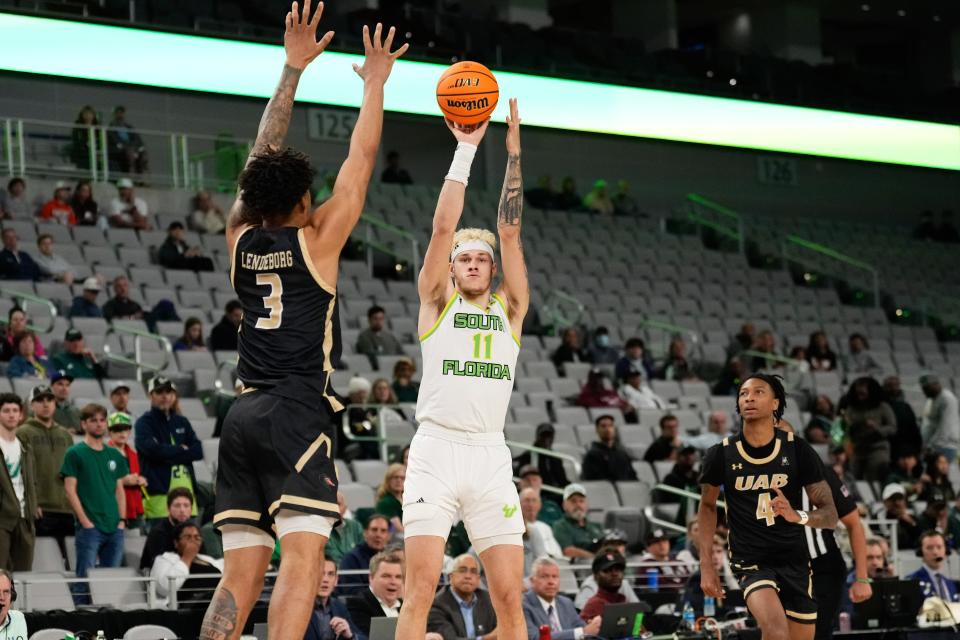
[[469, 105]]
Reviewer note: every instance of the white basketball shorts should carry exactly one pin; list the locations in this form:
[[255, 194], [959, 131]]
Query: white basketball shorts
[[453, 475]]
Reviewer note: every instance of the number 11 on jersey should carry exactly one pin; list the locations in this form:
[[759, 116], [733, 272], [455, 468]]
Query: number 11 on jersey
[[487, 341]]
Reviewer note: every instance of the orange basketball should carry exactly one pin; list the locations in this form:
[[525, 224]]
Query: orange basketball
[[467, 93]]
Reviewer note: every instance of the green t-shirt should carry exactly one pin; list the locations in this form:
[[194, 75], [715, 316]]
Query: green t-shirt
[[77, 365], [550, 512], [389, 506], [570, 534], [97, 473], [343, 538]]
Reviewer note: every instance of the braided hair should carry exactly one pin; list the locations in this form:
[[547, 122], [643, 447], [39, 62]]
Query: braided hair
[[776, 384]]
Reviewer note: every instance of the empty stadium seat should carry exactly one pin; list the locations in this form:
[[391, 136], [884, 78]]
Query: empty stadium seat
[[117, 587], [358, 496], [149, 632], [369, 472]]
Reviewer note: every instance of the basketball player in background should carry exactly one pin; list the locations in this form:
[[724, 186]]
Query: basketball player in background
[[276, 471], [764, 471], [459, 463]]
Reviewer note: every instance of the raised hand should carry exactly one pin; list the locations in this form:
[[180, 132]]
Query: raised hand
[[378, 60], [513, 129], [781, 507], [300, 38], [469, 133]]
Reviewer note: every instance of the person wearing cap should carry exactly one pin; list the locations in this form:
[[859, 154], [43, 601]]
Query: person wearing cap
[[58, 208], [167, 446], [77, 360], [550, 468], [52, 265], [608, 569], [67, 413], [607, 459], [18, 493], [120, 426], [175, 253], [14, 263], [941, 418], [614, 541], [894, 498], [576, 535], [49, 442], [120, 306], [85, 305], [658, 556], [120, 397], [530, 478], [127, 210]]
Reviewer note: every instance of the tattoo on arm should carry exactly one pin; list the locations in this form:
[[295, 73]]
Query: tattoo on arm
[[276, 117], [221, 618], [825, 514], [511, 198]]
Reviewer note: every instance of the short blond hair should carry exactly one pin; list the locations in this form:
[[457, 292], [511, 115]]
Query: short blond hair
[[470, 233]]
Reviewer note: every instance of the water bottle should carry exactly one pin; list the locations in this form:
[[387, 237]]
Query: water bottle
[[709, 607], [544, 632], [844, 622], [689, 619], [100, 635], [653, 579]]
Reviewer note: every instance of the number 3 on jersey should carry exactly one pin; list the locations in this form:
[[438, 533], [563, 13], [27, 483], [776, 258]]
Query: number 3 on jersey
[[272, 302], [764, 510]]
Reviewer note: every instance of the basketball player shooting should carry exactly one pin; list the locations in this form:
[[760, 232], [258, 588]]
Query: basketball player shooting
[[276, 472], [459, 463]]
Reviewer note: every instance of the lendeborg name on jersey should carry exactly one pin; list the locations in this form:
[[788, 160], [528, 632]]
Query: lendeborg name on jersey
[[266, 262]]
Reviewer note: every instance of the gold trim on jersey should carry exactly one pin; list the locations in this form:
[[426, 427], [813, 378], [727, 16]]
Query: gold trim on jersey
[[756, 585], [312, 449], [237, 513], [328, 334], [503, 304], [307, 260], [334, 403], [800, 616], [304, 502], [443, 314], [767, 460], [233, 255]]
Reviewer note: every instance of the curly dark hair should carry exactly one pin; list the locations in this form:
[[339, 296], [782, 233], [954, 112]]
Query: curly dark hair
[[776, 385], [272, 184]]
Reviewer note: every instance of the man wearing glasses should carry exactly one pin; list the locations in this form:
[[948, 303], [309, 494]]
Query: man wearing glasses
[[463, 609]]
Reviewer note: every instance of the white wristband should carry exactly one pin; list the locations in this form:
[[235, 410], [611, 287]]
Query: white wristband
[[462, 159], [804, 517]]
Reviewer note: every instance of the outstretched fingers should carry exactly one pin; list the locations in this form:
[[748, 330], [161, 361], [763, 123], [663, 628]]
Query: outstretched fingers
[[514, 112], [367, 45], [399, 52], [295, 13], [315, 20], [389, 41], [377, 43]]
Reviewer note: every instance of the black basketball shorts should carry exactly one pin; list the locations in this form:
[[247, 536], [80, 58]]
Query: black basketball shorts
[[275, 453], [793, 583]]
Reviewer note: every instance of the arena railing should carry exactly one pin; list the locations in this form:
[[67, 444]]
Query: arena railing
[[372, 222], [554, 309], [700, 206], [549, 453], [24, 300], [834, 256], [137, 361]]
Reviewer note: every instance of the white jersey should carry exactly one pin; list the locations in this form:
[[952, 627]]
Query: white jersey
[[469, 365]]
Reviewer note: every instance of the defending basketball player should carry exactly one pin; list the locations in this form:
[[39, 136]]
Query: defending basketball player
[[764, 472], [276, 475], [459, 463]]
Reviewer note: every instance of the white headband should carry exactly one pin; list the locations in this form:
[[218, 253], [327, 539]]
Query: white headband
[[471, 245]]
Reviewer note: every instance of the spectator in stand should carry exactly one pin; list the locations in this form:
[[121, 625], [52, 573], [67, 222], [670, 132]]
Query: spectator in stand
[[120, 397], [539, 535], [167, 446], [207, 216], [941, 418], [568, 199], [544, 606], [93, 479], [577, 536], [819, 354], [638, 394], [608, 569], [27, 364], [67, 413], [50, 264], [120, 427], [570, 349], [598, 199], [85, 305], [17, 323], [676, 366], [730, 377], [906, 471], [840, 463], [393, 173], [49, 442], [908, 430], [192, 338], [765, 343], [870, 424], [330, 619], [383, 598], [85, 208], [13, 201], [346, 535], [16, 264], [375, 537], [390, 495], [194, 575], [404, 386], [818, 430], [160, 540], [77, 359], [362, 422], [927, 229], [665, 447], [934, 576], [462, 609], [120, 306], [613, 542], [381, 393], [223, 337], [946, 231], [598, 392], [127, 211], [376, 339], [543, 196], [57, 209], [934, 517], [87, 123], [125, 146], [658, 555], [693, 593], [860, 360], [550, 510], [742, 341], [550, 469], [936, 480], [175, 253], [683, 475], [600, 350], [634, 358], [18, 490], [718, 428], [607, 459], [894, 498], [623, 203]]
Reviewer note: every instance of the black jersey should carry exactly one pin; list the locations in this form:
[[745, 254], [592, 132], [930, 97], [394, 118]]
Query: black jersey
[[748, 476], [821, 544], [289, 336]]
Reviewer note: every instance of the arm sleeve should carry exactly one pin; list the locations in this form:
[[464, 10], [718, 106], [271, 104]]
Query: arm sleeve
[[888, 420], [811, 468], [69, 467], [592, 468], [562, 534], [712, 468]]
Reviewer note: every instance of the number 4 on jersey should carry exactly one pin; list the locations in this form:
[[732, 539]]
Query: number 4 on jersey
[[764, 510]]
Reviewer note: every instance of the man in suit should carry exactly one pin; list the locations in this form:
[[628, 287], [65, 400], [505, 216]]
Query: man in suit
[[382, 598], [462, 610], [330, 619], [18, 491], [932, 575], [542, 606]]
